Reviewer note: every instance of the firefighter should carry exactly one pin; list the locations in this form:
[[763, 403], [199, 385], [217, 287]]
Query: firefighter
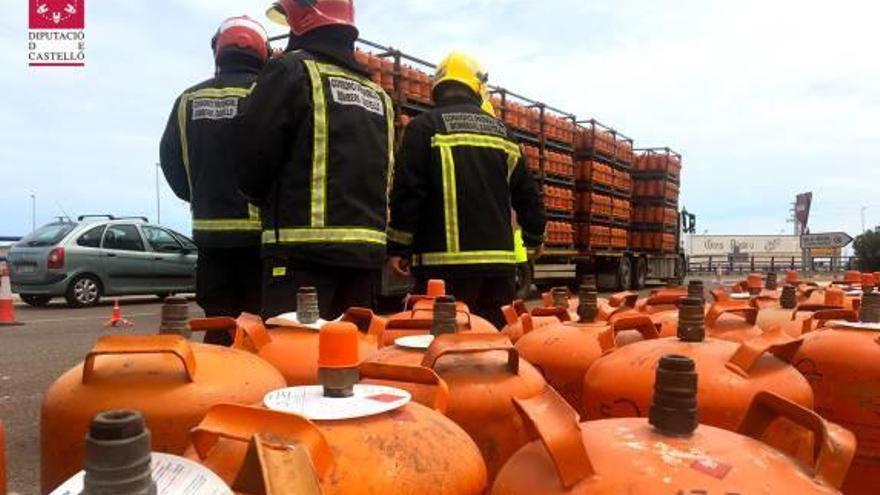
[[458, 173], [199, 165], [317, 148]]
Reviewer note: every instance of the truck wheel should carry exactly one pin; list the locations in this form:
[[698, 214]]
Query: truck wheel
[[524, 276], [640, 275], [624, 274]]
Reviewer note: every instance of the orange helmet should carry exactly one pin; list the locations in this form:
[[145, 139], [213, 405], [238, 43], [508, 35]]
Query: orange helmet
[[242, 32], [306, 15]]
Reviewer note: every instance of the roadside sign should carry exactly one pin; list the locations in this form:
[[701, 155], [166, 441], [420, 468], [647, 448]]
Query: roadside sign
[[827, 240], [826, 252]]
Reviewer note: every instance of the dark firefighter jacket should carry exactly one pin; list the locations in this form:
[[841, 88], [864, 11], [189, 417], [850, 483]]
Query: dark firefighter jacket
[[197, 158], [318, 139], [458, 173]]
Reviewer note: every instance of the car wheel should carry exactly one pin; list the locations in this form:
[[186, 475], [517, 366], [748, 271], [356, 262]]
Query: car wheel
[[36, 301], [83, 291]]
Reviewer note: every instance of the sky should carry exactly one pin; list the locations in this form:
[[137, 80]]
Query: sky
[[764, 99]]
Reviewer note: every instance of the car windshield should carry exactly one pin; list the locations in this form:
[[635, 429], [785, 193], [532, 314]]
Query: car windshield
[[47, 235]]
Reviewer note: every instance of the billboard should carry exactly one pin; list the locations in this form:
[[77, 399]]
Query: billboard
[[757, 245], [802, 206]]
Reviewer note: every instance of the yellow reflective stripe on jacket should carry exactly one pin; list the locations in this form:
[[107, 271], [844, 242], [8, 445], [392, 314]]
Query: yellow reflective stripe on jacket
[[329, 235], [253, 212], [227, 225], [477, 140], [466, 258], [221, 92], [512, 160], [400, 237], [319, 160], [450, 199]]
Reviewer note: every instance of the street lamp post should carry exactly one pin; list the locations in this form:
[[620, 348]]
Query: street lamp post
[[33, 212]]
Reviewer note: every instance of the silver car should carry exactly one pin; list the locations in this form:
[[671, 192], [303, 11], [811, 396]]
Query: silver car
[[100, 255]]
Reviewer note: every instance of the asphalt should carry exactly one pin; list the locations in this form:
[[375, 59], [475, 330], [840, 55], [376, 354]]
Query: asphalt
[[50, 341]]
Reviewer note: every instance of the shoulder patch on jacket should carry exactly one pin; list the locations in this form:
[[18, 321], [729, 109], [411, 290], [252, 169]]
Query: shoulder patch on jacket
[[214, 108], [472, 122], [350, 92]]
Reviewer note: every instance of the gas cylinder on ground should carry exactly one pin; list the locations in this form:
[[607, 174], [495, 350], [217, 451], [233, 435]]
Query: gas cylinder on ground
[[556, 309], [734, 323], [292, 345], [170, 380], [785, 312], [483, 373], [669, 452], [343, 437], [841, 360], [419, 307], [619, 383], [565, 351]]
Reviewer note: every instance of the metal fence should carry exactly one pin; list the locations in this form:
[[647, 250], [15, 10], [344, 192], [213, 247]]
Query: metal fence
[[763, 264]]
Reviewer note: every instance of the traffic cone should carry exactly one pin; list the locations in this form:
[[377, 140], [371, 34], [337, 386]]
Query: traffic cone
[[7, 308], [116, 319]]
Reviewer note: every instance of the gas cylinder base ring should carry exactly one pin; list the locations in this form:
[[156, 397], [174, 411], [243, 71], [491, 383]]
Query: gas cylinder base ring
[[417, 342], [310, 403]]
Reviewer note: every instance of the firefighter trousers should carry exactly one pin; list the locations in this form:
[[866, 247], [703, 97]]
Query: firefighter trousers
[[228, 284]]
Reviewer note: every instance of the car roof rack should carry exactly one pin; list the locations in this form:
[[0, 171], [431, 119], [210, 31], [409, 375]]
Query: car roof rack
[[111, 217]]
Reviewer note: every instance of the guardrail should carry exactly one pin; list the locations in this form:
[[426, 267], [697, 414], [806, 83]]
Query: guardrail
[[763, 264]]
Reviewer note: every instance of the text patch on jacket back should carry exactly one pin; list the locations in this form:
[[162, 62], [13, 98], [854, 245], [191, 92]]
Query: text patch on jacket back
[[471, 122], [214, 108], [349, 92]]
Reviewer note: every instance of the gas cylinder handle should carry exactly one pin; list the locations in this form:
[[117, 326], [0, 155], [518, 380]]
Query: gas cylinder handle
[[134, 344], [561, 313], [749, 313], [774, 340], [251, 327], [821, 318], [274, 466], [418, 375], [215, 324], [638, 322], [720, 295], [834, 447], [241, 423], [661, 298], [464, 343], [555, 423], [356, 315], [511, 316], [815, 307], [623, 300], [520, 306], [756, 301]]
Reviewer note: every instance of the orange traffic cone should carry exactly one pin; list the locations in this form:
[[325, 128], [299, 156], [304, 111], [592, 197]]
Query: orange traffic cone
[[7, 308], [116, 319]]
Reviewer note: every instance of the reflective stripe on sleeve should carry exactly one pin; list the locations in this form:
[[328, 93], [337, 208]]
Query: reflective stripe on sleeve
[[227, 225], [400, 237]]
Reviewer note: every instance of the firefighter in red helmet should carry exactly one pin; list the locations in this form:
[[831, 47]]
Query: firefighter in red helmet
[[316, 149], [200, 167]]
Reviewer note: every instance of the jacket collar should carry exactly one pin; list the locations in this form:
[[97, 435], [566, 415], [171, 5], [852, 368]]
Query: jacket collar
[[335, 43], [235, 61]]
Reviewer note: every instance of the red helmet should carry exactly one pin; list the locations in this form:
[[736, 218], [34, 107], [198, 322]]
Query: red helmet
[[242, 32], [305, 15]]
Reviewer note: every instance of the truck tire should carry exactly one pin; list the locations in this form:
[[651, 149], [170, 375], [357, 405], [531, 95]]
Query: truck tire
[[624, 274], [640, 274]]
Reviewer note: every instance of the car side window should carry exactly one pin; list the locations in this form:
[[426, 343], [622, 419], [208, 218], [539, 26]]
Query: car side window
[[123, 238], [161, 240], [185, 241], [92, 237]]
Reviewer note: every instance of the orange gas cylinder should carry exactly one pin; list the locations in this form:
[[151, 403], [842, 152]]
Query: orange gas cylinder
[[292, 348], [483, 372], [669, 453], [419, 307], [343, 437], [619, 383], [781, 312], [444, 311], [541, 317], [662, 300], [852, 277], [564, 352], [172, 381], [842, 362], [732, 322]]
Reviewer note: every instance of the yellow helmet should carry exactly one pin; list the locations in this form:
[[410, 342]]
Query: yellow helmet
[[462, 68], [487, 102]]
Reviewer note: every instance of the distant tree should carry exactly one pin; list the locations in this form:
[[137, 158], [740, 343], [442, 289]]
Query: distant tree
[[867, 248]]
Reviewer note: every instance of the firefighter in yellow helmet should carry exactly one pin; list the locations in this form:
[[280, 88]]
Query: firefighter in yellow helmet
[[458, 174]]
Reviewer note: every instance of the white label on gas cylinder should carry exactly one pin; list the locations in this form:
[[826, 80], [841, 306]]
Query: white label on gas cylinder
[[290, 320], [310, 403], [856, 325], [854, 293], [173, 476], [740, 295], [419, 342]]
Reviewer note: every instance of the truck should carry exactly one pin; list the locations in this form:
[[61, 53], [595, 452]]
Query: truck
[[566, 156]]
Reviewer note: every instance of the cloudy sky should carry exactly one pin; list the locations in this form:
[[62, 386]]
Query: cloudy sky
[[764, 99]]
